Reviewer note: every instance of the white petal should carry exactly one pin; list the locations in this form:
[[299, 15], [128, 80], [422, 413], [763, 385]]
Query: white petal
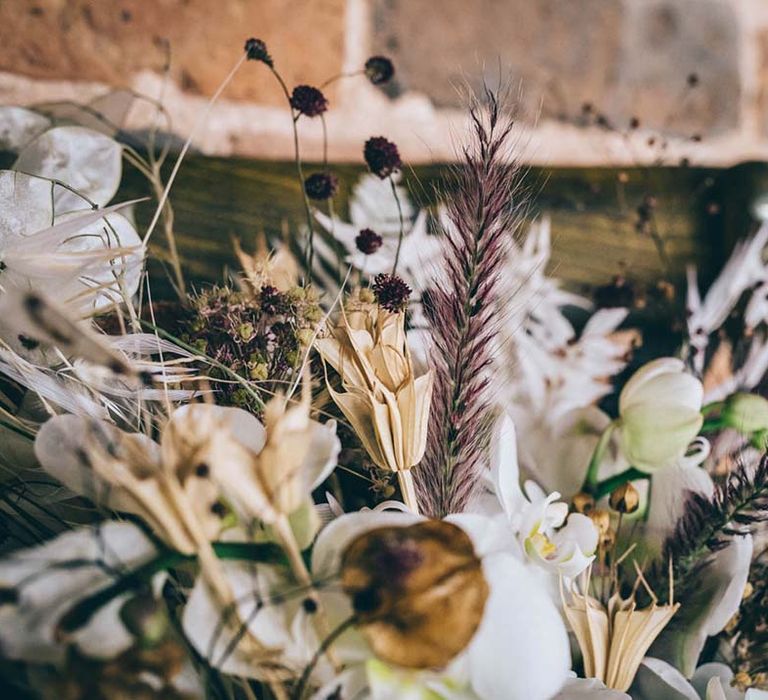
[[323, 453], [505, 471], [518, 616], [334, 537], [18, 126], [663, 365], [87, 161], [657, 680]]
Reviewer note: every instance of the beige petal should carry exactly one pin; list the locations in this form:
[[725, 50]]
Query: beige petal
[[342, 357], [633, 633], [390, 366], [357, 409], [589, 622], [413, 402], [391, 329], [389, 427]]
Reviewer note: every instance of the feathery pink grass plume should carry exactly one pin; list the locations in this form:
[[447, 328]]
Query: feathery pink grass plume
[[484, 211]]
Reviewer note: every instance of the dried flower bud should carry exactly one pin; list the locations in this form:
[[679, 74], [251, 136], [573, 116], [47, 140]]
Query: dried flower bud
[[381, 156], [366, 296], [145, 618], [418, 592], [257, 51], [625, 498], [391, 292], [602, 520], [321, 186], [379, 69], [368, 241], [583, 502], [308, 100], [747, 413]]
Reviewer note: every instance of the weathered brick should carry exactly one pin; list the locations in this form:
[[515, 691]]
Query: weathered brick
[[628, 58], [109, 40]]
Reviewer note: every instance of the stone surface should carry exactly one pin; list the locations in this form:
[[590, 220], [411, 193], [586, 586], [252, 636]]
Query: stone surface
[[627, 58], [109, 40]]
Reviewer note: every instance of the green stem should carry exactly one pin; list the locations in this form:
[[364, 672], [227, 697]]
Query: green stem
[[712, 407], [605, 487], [591, 479], [712, 425], [81, 613]]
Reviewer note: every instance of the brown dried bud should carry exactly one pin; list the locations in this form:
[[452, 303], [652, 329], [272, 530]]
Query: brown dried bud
[[418, 592], [583, 503], [602, 520], [624, 498]]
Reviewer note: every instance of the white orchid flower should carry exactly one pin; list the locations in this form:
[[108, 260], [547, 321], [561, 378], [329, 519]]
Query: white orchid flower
[[46, 581], [659, 414], [537, 519]]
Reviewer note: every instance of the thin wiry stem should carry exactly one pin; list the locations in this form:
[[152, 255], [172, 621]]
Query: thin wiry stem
[[401, 233], [483, 214], [309, 252]]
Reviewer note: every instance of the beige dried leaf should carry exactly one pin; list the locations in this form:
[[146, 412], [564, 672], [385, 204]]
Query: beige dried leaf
[[278, 269]]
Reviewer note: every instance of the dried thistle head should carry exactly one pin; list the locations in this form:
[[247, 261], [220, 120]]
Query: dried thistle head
[[418, 592]]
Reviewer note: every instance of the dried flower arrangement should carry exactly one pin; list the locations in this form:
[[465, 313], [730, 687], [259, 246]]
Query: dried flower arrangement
[[173, 515]]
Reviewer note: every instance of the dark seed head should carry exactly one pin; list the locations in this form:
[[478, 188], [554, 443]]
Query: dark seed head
[[308, 100], [379, 69], [391, 292], [257, 51], [368, 241], [381, 156], [321, 186], [366, 601]]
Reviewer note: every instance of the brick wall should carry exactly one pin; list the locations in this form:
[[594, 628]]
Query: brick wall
[[599, 81]]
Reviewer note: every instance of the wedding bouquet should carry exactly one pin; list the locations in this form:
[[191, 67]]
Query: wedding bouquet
[[374, 462]]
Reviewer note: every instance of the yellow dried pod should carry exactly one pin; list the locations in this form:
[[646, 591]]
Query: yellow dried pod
[[624, 498], [418, 592]]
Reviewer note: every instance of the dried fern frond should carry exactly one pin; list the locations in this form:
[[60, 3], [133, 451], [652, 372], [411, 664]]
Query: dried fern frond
[[736, 508]]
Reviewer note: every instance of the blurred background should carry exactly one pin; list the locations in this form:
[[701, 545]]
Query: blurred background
[[644, 122]]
